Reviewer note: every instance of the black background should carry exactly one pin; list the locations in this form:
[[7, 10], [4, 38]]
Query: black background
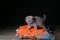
[[15, 12]]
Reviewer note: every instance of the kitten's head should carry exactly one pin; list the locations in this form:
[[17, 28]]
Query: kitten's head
[[29, 19]]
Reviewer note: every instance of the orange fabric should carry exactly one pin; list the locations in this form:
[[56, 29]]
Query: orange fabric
[[24, 31]]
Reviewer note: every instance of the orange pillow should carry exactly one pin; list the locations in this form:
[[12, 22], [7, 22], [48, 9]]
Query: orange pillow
[[32, 32]]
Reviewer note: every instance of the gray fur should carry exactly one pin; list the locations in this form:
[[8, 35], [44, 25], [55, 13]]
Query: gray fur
[[38, 21]]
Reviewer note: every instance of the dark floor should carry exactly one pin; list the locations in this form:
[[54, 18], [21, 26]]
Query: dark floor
[[9, 34]]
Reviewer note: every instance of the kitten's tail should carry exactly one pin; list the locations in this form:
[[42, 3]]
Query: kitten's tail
[[44, 17]]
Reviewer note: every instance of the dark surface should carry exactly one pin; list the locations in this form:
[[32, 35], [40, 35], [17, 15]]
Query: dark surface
[[15, 12]]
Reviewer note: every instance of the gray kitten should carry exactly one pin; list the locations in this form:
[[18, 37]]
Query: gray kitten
[[35, 21]]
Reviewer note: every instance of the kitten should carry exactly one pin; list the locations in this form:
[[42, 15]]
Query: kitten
[[35, 21]]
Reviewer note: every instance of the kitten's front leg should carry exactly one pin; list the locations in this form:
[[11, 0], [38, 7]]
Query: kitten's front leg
[[29, 26], [35, 26]]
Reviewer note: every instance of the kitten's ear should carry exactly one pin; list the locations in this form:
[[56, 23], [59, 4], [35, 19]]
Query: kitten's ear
[[28, 16]]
